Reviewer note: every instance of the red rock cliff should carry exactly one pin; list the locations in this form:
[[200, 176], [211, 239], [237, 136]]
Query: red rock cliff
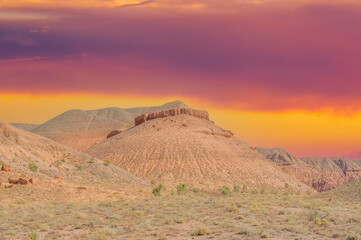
[[171, 112]]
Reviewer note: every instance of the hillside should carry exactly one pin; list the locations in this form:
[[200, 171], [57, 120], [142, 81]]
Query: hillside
[[80, 129], [176, 147], [19, 149], [320, 173], [25, 126]]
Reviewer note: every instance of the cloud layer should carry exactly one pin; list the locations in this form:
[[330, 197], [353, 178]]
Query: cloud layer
[[269, 56]]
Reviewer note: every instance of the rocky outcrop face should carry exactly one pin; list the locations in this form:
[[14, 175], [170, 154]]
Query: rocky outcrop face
[[321, 181], [320, 173], [171, 112], [6, 168], [113, 133]]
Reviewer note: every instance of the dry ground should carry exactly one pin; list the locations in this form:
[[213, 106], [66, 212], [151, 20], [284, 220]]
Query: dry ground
[[202, 215]]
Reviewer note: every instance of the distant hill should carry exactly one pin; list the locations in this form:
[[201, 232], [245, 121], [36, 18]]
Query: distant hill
[[25, 126], [81, 129], [178, 146], [321, 173], [354, 156]]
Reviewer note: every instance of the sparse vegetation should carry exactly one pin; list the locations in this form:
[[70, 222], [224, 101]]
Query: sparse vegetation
[[200, 231], [92, 160], [182, 188], [106, 162], [153, 182], [79, 166], [33, 167], [196, 190], [254, 191], [287, 185], [236, 188], [244, 188], [237, 216], [1, 162], [225, 190], [157, 191], [33, 235]]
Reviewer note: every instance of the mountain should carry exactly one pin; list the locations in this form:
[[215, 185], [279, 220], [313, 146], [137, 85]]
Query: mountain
[[20, 148], [25, 126], [183, 145], [321, 173], [354, 156], [80, 129]]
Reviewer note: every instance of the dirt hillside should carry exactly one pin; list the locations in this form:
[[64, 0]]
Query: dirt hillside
[[189, 149], [34, 156]]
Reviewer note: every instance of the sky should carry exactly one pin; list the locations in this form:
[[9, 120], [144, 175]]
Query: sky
[[277, 73]]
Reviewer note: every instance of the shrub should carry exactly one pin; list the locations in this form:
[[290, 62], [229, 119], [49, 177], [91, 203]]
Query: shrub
[[182, 188], [298, 193], [308, 192], [33, 235], [232, 208], [33, 167], [262, 191], [225, 190], [287, 185], [172, 192], [200, 231], [153, 182], [254, 191], [106, 162], [236, 188], [351, 237], [244, 188], [79, 166], [92, 160], [273, 192], [196, 190], [1, 162], [157, 190]]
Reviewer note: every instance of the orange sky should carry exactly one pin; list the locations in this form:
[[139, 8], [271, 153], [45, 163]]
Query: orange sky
[[300, 132]]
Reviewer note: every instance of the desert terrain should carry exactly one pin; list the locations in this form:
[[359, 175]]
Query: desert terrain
[[166, 172]]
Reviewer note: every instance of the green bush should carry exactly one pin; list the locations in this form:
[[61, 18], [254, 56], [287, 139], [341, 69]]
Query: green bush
[[182, 188], [236, 188], [157, 190], [153, 182], [79, 166], [33, 235], [196, 190], [172, 192], [106, 162], [1, 162], [225, 190], [33, 167]]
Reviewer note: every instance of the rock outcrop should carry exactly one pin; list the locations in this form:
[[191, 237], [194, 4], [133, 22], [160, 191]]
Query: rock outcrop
[[6, 168], [320, 173], [113, 133], [171, 112]]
